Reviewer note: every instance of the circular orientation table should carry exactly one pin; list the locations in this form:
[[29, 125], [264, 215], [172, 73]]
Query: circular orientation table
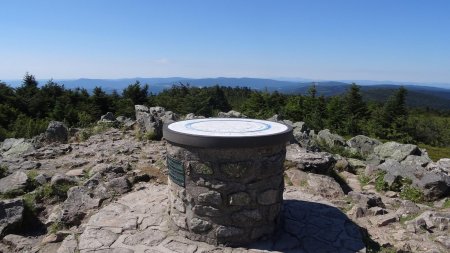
[[226, 178]]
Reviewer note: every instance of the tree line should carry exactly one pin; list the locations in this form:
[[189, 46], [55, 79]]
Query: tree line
[[25, 111]]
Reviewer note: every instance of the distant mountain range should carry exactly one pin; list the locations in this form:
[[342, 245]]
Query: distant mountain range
[[418, 96]]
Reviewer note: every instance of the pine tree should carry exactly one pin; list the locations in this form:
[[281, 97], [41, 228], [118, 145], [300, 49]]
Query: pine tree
[[137, 93], [355, 110], [395, 116], [336, 115]]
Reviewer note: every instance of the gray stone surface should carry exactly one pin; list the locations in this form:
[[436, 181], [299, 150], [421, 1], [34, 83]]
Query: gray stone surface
[[56, 132], [16, 147], [60, 179], [69, 245], [323, 185], [119, 185], [331, 140], [11, 215], [147, 121], [125, 122], [306, 226], [193, 116], [416, 160], [79, 201], [8, 143], [441, 166], [366, 199], [316, 162], [362, 144], [356, 164], [108, 117], [231, 114], [433, 183], [396, 151], [19, 243], [14, 182], [303, 136]]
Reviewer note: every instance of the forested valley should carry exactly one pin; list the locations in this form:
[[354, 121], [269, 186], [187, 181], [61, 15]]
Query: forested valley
[[26, 110]]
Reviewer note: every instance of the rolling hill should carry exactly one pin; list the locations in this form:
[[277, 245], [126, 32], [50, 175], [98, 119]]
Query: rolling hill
[[418, 96]]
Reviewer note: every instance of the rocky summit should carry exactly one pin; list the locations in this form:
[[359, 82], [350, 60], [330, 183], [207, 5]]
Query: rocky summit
[[104, 189]]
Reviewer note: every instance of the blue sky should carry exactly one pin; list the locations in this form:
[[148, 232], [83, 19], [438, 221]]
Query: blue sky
[[401, 40]]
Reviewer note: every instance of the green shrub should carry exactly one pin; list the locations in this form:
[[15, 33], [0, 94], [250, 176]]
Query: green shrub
[[146, 136], [44, 192], [32, 174], [363, 179], [55, 227], [48, 192], [29, 201], [411, 193], [446, 203], [60, 191], [84, 134], [11, 194], [32, 184], [339, 150], [3, 171], [406, 218], [380, 184], [87, 132], [101, 128]]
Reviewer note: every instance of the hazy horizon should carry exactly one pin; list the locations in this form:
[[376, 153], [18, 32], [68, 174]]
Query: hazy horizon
[[42, 81]]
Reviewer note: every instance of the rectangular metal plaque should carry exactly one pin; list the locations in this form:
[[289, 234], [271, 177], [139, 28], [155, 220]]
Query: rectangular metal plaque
[[176, 171]]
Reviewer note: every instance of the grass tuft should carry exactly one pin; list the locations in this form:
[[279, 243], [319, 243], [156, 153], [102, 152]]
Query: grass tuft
[[446, 203], [380, 184], [3, 171]]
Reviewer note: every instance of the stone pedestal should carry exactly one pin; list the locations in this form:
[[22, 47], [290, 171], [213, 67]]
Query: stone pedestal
[[226, 195]]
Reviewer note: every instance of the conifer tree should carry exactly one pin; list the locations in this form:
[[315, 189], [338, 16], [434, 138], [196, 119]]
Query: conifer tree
[[355, 110]]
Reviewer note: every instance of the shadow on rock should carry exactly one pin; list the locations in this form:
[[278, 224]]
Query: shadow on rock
[[314, 227]]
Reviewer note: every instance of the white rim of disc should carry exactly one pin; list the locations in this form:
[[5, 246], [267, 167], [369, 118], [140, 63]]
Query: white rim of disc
[[228, 127]]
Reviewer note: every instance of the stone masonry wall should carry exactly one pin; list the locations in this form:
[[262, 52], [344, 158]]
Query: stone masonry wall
[[231, 196]]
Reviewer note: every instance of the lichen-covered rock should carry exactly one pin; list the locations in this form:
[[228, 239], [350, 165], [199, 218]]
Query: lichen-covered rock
[[396, 151], [60, 179], [16, 147], [152, 119], [69, 245], [146, 121], [431, 220], [11, 215], [316, 162], [125, 122], [119, 185], [366, 200], [108, 117], [363, 145], [56, 132], [8, 143], [356, 164], [231, 114], [275, 118], [79, 201], [443, 166], [193, 116], [20, 243], [15, 182], [322, 185], [433, 184], [416, 160], [331, 140]]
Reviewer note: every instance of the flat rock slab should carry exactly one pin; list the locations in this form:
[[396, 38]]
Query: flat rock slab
[[137, 223]]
